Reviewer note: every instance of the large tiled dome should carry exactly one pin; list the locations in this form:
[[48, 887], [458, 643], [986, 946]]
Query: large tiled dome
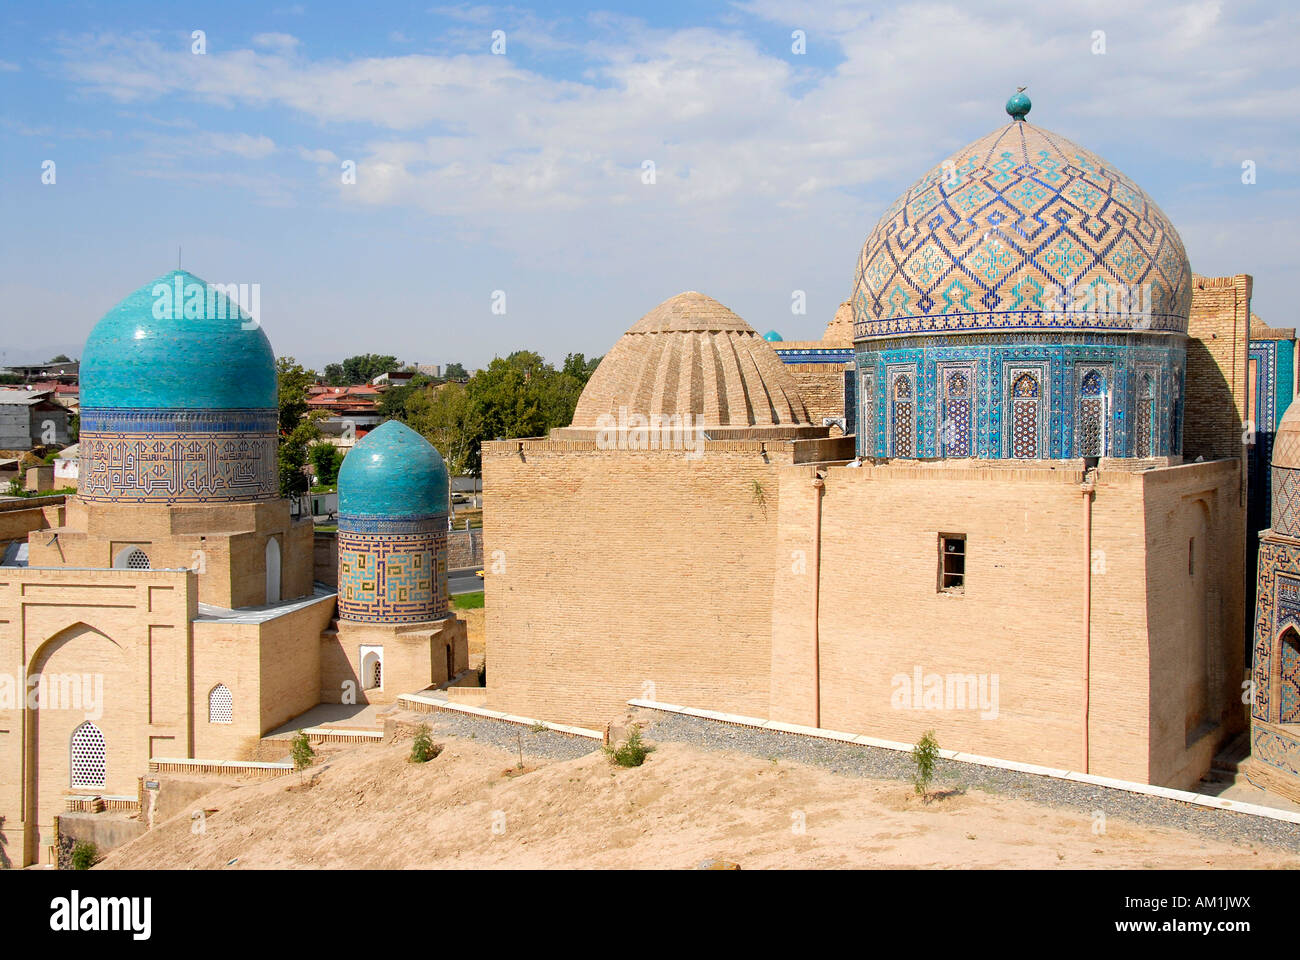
[[178, 400], [149, 351], [394, 473], [691, 355], [990, 238]]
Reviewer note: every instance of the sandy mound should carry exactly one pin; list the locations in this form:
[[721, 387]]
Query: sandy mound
[[365, 806]]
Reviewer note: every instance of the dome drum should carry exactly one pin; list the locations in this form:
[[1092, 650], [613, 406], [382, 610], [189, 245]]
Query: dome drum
[[1036, 398]]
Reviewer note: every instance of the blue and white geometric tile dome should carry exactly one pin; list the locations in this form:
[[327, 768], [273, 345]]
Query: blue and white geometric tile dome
[[1000, 234], [393, 473], [143, 354]]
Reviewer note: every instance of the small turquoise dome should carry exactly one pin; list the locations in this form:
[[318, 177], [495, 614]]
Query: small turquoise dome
[[772, 337], [393, 472], [155, 350]]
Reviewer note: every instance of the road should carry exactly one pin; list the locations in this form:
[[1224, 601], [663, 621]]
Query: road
[[464, 581]]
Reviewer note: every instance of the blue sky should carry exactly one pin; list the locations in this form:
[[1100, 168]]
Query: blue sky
[[522, 172]]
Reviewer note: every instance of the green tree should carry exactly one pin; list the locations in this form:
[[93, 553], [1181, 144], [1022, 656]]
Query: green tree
[[393, 402], [298, 430], [443, 416], [326, 459], [362, 368], [455, 371], [61, 358]]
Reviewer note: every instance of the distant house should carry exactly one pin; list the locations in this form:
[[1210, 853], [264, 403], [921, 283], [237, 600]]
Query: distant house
[[352, 412], [394, 378], [30, 418], [65, 372]]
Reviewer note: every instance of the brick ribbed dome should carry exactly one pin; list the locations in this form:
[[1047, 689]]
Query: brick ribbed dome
[[691, 355]]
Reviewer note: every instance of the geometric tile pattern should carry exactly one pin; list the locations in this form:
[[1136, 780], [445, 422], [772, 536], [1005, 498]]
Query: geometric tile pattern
[[1286, 501], [1135, 400], [1277, 608], [393, 576], [1289, 678], [177, 456], [1021, 229], [1276, 750]]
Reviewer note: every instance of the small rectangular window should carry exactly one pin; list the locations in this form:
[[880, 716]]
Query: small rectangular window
[[952, 563]]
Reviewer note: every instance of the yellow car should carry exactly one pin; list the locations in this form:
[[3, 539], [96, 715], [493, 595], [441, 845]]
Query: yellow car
[[479, 574]]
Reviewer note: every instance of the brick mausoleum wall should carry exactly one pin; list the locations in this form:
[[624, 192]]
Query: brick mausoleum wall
[[822, 388], [628, 574], [644, 574], [1217, 365], [128, 628]]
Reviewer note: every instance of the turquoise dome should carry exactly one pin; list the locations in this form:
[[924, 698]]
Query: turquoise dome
[[393, 472], [773, 337], [143, 354]]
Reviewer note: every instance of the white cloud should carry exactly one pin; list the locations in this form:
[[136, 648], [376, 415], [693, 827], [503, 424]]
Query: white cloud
[[750, 143], [276, 41], [7, 67], [318, 156]]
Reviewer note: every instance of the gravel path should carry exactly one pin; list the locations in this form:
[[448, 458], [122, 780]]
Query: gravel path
[[498, 733], [876, 763]]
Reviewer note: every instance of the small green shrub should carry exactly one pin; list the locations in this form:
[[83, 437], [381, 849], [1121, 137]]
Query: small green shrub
[[631, 752], [302, 751], [84, 855], [925, 754], [423, 748]]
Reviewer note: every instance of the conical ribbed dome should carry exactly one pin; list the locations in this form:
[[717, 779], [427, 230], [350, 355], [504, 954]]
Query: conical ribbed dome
[[691, 355]]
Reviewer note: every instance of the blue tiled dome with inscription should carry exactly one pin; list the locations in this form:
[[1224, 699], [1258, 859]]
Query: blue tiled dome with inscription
[[197, 352], [178, 399], [1022, 229], [393, 472]]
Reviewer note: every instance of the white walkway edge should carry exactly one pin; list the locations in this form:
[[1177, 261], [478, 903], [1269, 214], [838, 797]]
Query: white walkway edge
[[1200, 799], [498, 715]]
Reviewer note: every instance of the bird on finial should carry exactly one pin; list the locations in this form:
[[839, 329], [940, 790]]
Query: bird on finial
[[1018, 106]]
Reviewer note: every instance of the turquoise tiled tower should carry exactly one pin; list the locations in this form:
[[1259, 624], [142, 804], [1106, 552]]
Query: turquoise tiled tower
[[178, 399], [392, 539]]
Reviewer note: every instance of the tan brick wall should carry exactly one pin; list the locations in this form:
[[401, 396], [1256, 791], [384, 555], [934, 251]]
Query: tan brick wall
[[822, 388], [1196, 620], [627, 568], [226, 542], [1217, 364], [129, 629], [414, 657], [624, 569]]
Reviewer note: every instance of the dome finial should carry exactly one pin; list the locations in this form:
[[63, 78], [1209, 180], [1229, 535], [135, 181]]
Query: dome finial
[[1018, 106]]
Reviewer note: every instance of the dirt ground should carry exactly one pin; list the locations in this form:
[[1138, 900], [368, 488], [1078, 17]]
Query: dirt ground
[[367, 807]]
